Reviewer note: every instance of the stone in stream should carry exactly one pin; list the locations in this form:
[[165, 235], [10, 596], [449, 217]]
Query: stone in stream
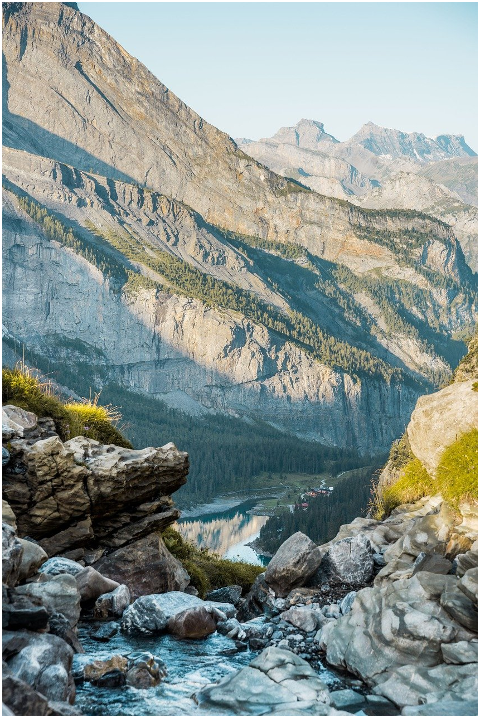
[[277, 682], [91, 584], [303, 618], [145, 670], [195, 622], [113, 603], [106, 631]]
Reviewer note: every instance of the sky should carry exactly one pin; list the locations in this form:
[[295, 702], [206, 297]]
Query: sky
[[250, 68]]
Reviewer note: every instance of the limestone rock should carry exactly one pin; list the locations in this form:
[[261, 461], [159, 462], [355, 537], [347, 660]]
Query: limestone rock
[[348, 561], [461, 652], [469, 584], [113, 603], [277, 680], [195, 622], [18, 419], [59, 595], [42, 661], [439, 419], [32, 558], [293, 564], [12, 552]]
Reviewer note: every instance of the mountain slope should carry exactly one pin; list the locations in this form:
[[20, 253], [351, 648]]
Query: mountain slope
[[142, 246]]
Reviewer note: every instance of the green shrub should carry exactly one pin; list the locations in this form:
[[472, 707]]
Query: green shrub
[[414, 483], [458, 470], [207, 570], [22, 388]]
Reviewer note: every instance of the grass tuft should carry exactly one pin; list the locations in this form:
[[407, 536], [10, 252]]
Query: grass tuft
[[21, 387]]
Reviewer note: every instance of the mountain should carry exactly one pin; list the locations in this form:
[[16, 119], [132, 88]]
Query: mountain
[[383, 168], [145, 252]]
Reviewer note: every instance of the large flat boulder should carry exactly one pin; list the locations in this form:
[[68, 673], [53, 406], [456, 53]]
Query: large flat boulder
[[59, 594]]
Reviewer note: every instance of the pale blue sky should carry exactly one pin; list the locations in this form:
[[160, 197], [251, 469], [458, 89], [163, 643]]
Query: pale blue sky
[[252, 67]]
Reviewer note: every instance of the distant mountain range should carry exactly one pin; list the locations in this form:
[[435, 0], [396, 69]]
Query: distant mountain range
[[382, 168], [146, 253]]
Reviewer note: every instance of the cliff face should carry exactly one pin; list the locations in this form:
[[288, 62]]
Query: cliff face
[[120, 178]]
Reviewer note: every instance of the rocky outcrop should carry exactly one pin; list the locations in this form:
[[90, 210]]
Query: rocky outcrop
[[440, 419], [82, 495]]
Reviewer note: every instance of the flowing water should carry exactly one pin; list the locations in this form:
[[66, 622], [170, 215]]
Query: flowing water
[[227, 532]]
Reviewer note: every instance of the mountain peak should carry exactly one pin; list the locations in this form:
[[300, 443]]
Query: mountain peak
[[307, 134]]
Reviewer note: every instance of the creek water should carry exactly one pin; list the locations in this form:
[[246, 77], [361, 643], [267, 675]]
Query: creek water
[[226, 532]]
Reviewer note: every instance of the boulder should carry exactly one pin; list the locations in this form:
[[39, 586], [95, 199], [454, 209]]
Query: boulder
[[459, 607], [32, 558], [106, 631], [258, 601], [432, 562], [227, 594], [295, 561], [303, 618], [469, 584], [195, 622], [59, 626], [144, 670], [58, 564], [277, 682], [96, 669], [91, 584], [146, 567], [42, 661], [347, 700], [59, 594], [23, 700], [348, 561], [17, 420], [23, 612], [113, 603], [439, 419], [12, 552]]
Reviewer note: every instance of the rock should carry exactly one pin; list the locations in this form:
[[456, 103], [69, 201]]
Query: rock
[[465, 561], [111, 679], [232, 628], [259, 600], [146, 567], [23, 700], [348, 561], [461, 652], [91, 584], [59, 595], [150, 614], [195, 622], [432, 562], [11, 556], [346, 603], [59, 565], [32, 558], [41, 660], [469, 584], [228, 594], [5, 456], [113, 603], [106, 631], [347, 700], [303, 618], [17, 420], [459, 607], [95, 670], [60, 626], [393, 625], [293, 564], [23, 612], [439, 419], [145, 670], [331, 611], [275, 681], [8, 517], [410, 684], [443, 708], [76, 535]]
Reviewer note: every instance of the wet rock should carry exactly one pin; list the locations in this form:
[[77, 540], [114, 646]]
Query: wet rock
[[32, 558], [91, 584], [295, 561], [145, 670], [146, 567], [274, 682], [150, 614], [59, 626], [232, 629], [228, 594], [347, 700], [258, 644], [58, 565], [11, 556], [195, 622], [111, 679], [461, 652], [113, 603], [41, 660], [59, 594], [95, 670], [106, 631]]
